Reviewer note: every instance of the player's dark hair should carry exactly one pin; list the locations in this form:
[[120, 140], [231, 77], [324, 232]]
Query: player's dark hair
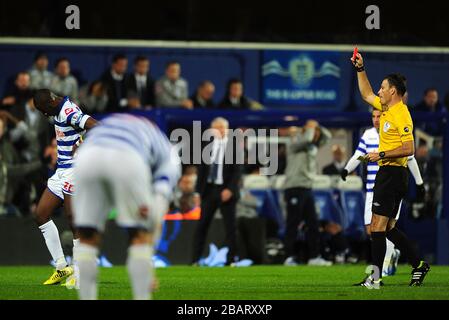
[[140, 58], [118, 56], [398, 81], [42, 97]]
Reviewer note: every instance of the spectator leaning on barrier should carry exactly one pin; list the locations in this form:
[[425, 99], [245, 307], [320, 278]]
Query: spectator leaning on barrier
[[172, 90], [39, 75], [63, 83], [300, 171], [114, 80], [202, 98], [141, 83]]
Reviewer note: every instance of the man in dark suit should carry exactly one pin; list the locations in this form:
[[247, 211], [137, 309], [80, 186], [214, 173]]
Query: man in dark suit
[[234, 97], [202, 98], [114, 80], [218, 186], [338, 164], [140, 82]]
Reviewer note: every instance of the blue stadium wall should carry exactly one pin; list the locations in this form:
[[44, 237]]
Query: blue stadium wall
[[218, 65]]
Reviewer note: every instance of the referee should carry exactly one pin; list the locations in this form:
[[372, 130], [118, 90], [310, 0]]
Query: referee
[[395, 145]]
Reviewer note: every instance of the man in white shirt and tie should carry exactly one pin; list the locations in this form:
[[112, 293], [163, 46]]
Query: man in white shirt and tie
[[218, 187]]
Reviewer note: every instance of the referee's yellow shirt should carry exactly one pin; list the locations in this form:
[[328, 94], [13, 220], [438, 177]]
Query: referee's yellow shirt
[[396, 127]]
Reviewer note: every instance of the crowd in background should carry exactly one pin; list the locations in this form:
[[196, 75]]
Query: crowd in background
[[27, 137]]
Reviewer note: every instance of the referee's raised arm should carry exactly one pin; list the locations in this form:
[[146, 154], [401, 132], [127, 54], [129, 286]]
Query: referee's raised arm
[[365, 88]]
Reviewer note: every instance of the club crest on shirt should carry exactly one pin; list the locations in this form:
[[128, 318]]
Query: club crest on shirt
[[75, 117], [387, 126]]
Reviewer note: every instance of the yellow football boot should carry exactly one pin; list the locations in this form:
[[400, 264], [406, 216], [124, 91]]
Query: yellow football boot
[[59, 275]]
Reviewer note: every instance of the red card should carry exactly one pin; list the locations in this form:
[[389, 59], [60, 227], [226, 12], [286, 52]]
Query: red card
[[354, 55]]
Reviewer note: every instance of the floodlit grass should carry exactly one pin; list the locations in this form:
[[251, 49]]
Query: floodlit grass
[[228, 283]]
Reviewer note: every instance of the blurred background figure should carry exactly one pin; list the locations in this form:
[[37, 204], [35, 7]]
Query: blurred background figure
[[94, 98], [50, 155], [40, 77], [186, 199], [339, 161], [234, 97], [63, 83], [16, 171], [203, 96], [16, 97], [218, 187], [251, 228], [114, 79], [141, 83], [299, 199], [171, 89], [431, 103]]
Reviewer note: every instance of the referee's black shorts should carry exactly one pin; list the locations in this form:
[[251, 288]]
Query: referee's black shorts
[[389, 189]]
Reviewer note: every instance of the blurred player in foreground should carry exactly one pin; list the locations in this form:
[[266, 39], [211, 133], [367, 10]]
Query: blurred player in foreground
[[369, 142], [70, 122], [126, 163]]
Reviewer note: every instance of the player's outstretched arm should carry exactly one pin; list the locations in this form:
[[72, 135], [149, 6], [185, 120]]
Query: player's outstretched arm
[[365, 88]]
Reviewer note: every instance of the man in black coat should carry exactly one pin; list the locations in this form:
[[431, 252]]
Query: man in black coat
[[140, 82], [234, 97], [338, 163], [202, 98], [114, 80], [218, 186]]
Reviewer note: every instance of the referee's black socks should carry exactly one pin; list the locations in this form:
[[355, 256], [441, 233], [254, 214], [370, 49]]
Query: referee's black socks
[[401, 242], [378, 250]]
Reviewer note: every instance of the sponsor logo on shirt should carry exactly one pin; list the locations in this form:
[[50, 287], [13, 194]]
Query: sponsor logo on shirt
[[59, 133], [68, 111]]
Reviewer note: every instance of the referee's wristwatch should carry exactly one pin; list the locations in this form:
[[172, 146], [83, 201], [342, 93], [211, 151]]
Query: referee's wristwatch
[[382, 154]]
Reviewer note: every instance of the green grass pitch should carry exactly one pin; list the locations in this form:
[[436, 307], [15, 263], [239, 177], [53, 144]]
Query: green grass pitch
[[228, 283]]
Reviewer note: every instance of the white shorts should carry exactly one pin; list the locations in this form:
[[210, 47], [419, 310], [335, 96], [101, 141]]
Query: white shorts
[[368, 208], [61, 182], [107, 178]]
